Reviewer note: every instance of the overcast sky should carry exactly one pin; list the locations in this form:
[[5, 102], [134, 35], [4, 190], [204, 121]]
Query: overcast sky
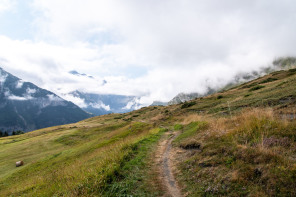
[[155, 48]]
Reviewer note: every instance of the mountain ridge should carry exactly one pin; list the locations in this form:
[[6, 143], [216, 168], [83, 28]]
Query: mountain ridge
[[25, 106], [237, 142]]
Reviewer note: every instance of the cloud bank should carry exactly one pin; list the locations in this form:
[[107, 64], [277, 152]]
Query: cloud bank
[[153, 49]]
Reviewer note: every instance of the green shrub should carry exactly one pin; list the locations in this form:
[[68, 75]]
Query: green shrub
[[268, 80], [256, 88], [249, 85], [188, 104], [219, 97]]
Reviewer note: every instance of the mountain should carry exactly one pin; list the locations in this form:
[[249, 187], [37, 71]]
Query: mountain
[[182, 97], [159, 103], [99, 104], [239, 142], [25, 106], [282, 63]]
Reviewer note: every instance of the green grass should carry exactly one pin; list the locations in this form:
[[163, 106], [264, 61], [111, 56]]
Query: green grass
[[227, 150], [189, 130], [133, 176], [79, 161], [178, 127]]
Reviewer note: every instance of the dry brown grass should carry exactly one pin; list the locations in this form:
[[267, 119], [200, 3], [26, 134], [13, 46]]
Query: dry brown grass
[[192, 118], [241, 155]]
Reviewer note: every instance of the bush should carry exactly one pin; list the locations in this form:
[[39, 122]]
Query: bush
[[268, 80], [219, 97], [188, 104], [256, 88], [17, 132]]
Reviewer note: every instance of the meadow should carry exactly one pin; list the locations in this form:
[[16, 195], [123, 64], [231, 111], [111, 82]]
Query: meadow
[[236, 142]]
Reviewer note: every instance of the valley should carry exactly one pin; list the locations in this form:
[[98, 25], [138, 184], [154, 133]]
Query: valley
[[236, 142]]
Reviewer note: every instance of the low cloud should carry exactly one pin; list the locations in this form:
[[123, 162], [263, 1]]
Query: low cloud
[[2, 77], [78, 101], [168, 46], [11, 96], [19, 84], [100, 105], [18, 98], [54, 98], [30, 91]]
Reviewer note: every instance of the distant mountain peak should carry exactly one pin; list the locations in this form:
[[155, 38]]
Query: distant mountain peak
[[25, 106], [100, 104]]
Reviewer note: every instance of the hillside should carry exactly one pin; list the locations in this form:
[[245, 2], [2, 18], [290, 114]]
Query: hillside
[[239, 142], [282, 63], [24, 106]]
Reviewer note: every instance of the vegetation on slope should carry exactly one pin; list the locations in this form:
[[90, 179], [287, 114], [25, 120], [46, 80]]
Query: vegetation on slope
[[75, 160], [237, 142], [252, 153]]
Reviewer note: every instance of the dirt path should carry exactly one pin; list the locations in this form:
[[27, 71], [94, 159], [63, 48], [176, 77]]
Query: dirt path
[[165, 165]]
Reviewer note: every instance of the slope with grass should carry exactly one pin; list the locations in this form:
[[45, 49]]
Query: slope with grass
[[236, 142]]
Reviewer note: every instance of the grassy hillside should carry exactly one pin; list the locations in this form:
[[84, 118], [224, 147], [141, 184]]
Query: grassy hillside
[[236, 142]]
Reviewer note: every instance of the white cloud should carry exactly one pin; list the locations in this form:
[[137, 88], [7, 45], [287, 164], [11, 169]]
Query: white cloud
[[100, 105], [31, 91], [133, 104], [2, 77], [54, 98], [19, 84], [10, 96], [78, 101], [18, 98], [185, 46], [6, 5]]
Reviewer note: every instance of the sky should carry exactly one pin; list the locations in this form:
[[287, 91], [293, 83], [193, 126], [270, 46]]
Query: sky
[[152, 49]]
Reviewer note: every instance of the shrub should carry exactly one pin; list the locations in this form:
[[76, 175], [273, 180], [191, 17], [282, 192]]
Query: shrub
[[268, 80], [249, 85], [188, 104], [219, 97], [256, 88]]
